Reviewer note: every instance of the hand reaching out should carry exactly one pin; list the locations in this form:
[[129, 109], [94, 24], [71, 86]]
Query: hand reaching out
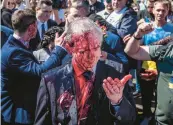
[[114, 88], [59, 40]]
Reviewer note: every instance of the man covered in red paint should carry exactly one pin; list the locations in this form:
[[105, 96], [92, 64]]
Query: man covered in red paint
[[84, 91]]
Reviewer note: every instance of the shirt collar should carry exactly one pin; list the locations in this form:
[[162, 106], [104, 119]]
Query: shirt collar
[[25, 43], [39, 22], [106, 13], [78, 71]]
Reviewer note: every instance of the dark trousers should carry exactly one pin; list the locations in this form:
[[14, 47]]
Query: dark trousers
[[147, 89]]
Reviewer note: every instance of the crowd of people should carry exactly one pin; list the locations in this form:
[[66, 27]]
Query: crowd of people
[[69, 62]]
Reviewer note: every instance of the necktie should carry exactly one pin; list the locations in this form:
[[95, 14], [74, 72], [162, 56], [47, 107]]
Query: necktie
[[84, 97], [42, 30], [88, 75]]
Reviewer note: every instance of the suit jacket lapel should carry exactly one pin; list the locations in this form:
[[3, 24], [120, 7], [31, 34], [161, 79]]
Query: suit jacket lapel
[[49, 23], [68, 84], [38, 36]]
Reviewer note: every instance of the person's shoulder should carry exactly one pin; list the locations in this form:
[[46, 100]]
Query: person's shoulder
[[101, 13], [9, 45], [14, 53], [130, 11], [59, 72], [52, 22], [5, 11]]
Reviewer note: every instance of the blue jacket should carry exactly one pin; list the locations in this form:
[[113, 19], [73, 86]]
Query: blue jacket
[[20, 78], [112, 44], [126, 25]]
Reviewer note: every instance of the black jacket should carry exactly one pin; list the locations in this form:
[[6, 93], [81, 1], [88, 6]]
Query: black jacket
[[6, 17]]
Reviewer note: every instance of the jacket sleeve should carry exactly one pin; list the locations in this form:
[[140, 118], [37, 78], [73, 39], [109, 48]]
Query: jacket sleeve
[[43, 113], [27, 64], [128, 25], [126, 113]]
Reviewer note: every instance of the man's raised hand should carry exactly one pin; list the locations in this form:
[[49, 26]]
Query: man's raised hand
[[114, 88]]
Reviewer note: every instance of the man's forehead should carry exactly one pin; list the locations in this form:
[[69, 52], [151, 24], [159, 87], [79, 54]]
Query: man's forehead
[[86, 45], [160, 6], [150, 3]]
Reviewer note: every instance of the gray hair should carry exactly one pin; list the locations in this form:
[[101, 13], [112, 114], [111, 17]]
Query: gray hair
[[83, 25]]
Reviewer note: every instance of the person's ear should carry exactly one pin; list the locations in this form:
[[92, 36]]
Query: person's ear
[[31, 27], [31, 30]]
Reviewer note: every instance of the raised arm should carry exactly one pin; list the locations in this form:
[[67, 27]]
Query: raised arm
[[133, 48]]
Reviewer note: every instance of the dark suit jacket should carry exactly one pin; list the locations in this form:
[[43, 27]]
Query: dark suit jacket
[[58, 80], [35, 41], [6, 17], [20, 78]]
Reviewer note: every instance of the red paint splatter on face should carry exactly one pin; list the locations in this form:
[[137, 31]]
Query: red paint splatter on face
[[86, 47]]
